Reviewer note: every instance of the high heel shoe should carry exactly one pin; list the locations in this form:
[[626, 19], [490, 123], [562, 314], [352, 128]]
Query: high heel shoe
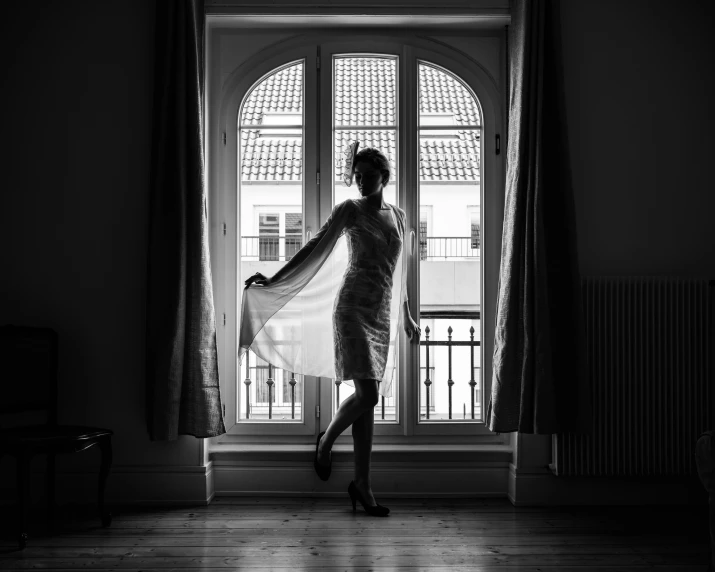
[[355, 495], [323, 472]]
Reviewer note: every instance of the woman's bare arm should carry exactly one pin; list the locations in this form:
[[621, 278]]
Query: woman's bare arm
[[297, 258], [304, 252]]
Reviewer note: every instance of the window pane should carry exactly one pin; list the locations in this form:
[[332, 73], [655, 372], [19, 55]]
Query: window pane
[[288, 384], [365, 91], [365, 100], [437, 339], [268, 236], [444, 99], [256, 389], [384, 141], [279, 93], [293, 234], [450, 280], [270, 156], [452, 157], [423, 236]]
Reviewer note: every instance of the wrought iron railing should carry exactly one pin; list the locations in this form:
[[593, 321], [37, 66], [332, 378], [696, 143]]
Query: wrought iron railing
[[426, 373], [449, 343], [270, 383], [264, 397], [283, 248]]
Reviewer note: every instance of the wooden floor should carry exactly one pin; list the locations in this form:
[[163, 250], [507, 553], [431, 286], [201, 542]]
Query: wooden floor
[[324, 534]]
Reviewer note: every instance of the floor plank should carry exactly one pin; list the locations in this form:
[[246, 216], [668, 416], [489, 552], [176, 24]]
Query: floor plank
[[324, 534]]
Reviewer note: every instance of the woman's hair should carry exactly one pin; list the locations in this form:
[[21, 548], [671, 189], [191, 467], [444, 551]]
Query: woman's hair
[[377, 160]]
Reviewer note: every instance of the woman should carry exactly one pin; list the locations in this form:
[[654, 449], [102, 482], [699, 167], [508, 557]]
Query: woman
[[361, 313]]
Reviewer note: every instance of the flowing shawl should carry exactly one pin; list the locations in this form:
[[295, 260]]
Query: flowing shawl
[[289, 323]]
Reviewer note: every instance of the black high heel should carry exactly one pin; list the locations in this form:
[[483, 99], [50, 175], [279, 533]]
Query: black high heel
[[323, 472], [355, 495]]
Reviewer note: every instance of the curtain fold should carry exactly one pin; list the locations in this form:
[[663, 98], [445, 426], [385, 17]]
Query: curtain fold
[[540, 379], [182, 382]]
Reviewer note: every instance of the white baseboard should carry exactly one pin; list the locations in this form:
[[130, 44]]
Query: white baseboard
[[128, 484], [536, 487]]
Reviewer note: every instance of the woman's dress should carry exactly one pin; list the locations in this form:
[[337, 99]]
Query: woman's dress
[[336, 314], [361, 326]]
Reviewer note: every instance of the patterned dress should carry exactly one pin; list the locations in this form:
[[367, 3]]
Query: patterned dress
[[361, 312]]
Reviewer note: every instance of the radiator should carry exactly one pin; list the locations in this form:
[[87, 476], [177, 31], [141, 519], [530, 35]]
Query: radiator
[[650, 351]]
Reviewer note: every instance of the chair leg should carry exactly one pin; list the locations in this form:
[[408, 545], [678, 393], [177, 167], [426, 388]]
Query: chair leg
[[105, 446], [23, 488], [50, 486]]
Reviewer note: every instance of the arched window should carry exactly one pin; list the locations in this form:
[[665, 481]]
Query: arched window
[[296, 110]]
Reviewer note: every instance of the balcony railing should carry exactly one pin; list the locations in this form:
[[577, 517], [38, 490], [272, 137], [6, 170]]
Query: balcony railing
[[264, 390], [429, 371], [283, 248], [443, 247], [261, 402], [270, 248]]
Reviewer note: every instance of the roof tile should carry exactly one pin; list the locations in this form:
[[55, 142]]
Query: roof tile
[[365, 95]]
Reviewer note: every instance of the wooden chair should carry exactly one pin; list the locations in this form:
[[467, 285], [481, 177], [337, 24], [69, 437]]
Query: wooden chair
[[28, 373]]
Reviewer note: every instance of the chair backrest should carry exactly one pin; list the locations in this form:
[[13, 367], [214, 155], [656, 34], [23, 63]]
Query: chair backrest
[[28, 371]]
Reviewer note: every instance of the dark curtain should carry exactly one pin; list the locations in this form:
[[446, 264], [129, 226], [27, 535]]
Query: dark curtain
[[181, 358], [540, 378]]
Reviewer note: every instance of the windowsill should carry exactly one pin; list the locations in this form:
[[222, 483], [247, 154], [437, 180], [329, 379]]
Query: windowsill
[[234, 453]]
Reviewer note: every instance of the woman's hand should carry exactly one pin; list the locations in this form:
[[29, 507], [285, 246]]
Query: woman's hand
[[412, 329], [258, 279]]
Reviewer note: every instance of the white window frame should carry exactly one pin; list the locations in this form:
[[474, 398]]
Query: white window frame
[[223, 171]]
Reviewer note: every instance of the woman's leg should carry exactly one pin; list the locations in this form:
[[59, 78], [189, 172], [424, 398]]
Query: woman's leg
[[363, 429], [364, 399]]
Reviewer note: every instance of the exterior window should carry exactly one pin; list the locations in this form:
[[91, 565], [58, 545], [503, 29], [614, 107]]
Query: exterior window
[[293, 233], [423, 235], [475, 225], [268, 237], [475, 235]]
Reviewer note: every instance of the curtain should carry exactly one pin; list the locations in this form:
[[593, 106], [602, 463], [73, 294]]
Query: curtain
[[182, 383], [540, 379]]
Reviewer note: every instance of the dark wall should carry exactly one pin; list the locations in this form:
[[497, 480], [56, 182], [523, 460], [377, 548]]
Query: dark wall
[[639, 93], [76, 100], [77, 107]]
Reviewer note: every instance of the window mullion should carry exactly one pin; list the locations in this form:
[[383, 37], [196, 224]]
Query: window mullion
[[409, 202]]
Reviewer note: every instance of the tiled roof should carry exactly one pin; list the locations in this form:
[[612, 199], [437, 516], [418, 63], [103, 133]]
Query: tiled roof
[[365, 89], [281, 91], [440, 92]]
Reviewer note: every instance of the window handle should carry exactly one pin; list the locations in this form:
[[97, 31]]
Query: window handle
[[308, 234], [412, 242]]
